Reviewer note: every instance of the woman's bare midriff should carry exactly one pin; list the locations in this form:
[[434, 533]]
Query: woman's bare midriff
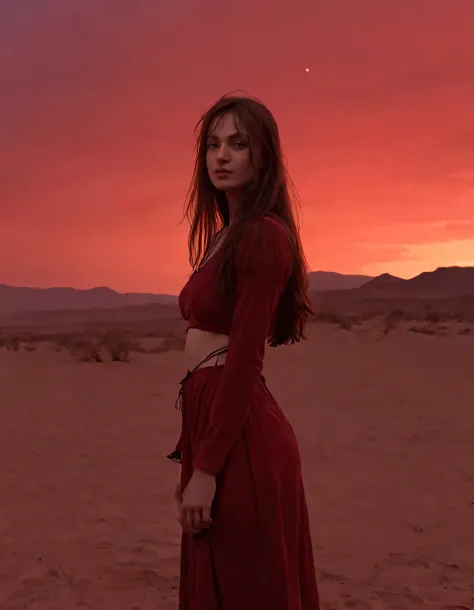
[[199, 344]]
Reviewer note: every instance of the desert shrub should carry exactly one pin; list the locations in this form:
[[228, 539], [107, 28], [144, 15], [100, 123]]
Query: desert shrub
[[75, 342], [36, 338], [465, 331], [423, 330], [136, 346], [118, 346], [391, 320], [66, 341], [30, 338], [462, 318], [12, 342], [344, 322], [435, 317], [174, 342], [89, 352]]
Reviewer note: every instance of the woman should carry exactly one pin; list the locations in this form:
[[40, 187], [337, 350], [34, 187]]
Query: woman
[[241, 505]]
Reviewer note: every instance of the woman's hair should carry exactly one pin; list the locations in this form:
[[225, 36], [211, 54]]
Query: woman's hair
[[268, 195]]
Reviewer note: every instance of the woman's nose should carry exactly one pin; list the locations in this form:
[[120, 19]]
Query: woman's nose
[[222, 153]]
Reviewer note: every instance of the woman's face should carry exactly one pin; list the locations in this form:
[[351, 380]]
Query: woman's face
[[228, 155]]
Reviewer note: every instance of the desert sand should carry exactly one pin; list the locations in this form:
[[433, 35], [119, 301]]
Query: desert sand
[[386, 430]]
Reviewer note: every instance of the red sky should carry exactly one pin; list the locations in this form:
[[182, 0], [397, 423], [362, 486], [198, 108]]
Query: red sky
[[98, 106]]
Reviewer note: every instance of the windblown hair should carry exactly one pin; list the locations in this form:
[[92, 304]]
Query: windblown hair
[[207, 209]]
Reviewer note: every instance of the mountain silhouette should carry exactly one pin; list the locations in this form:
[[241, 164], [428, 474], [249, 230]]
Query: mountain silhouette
[[331, 289], [18, 299], [15, 299], [444, 282], [329, 280]]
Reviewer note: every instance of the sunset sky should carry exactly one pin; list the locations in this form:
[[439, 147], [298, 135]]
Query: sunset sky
[[98, 102]]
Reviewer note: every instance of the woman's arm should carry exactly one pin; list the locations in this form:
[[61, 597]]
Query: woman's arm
[[262, 270]]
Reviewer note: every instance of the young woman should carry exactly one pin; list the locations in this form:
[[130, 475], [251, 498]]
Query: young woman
[[246, 541]]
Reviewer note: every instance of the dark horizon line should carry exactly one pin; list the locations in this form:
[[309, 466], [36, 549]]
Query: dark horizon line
[[169, 294]]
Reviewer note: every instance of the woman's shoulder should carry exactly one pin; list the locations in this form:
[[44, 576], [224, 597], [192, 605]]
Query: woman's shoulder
[[266, 241], [276, 222], [267, 226]]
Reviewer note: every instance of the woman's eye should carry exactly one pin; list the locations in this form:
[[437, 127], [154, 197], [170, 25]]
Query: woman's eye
[[237, 145]]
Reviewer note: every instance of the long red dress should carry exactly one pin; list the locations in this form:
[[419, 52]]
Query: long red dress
[[257, 555]]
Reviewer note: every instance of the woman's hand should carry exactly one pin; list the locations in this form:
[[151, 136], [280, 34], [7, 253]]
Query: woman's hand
[[194, 512]]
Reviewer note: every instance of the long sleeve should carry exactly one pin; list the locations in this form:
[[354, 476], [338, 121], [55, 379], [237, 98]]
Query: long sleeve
[[263, 264]]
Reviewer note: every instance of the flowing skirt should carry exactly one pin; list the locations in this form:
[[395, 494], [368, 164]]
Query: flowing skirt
[[257, 554]]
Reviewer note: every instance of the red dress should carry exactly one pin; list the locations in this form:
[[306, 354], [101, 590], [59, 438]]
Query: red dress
[[257, 555]]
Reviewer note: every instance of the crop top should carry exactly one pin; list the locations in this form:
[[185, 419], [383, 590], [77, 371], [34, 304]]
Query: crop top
[[263, 265]]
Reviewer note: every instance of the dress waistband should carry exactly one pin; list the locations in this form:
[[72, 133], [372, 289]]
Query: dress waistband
[[207, 361]]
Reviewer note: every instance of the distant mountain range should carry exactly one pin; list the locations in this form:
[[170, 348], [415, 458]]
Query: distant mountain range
[[17, 299], [447, 289], [445, 282], [328, 289], [328, 280]]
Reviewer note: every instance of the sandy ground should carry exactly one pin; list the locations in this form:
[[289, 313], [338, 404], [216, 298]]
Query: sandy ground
[[386, 430]]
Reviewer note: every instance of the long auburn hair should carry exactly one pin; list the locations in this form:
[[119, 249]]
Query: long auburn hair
[[207, 210]]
